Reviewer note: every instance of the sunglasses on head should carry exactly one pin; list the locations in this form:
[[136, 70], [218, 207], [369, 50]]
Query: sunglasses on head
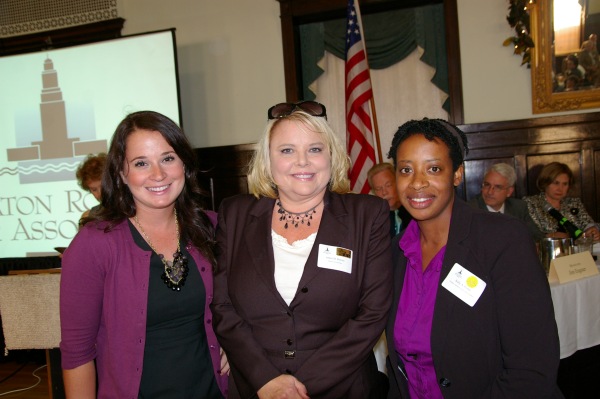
[[282, 110]]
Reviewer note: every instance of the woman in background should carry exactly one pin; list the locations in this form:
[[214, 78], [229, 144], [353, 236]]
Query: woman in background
[[303, 282], [137, 279], [472, 315], [89, 177], [554, 182]]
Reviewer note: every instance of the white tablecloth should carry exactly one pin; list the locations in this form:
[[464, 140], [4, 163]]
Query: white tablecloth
[[577, 312]]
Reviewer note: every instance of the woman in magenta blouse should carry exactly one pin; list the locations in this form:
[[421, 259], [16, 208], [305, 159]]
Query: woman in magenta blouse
[[472, 315]]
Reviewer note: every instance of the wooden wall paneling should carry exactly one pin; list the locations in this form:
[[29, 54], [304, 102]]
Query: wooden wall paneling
[[520, 164], [456, 115], [572, 139], [226, 186], [472, 168], [526, 144], [461, 190], [224, 171], [587, 180]]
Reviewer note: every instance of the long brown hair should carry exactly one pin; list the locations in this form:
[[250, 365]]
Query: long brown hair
[[117, 200]]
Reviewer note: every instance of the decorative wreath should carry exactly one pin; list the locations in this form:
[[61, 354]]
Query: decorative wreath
[[518, 18]]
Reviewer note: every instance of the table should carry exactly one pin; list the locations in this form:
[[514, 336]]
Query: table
[[577, 313], [39, 262]]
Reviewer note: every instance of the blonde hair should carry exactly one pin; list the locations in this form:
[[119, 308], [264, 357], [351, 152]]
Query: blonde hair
[[260, 177], [380, 167]]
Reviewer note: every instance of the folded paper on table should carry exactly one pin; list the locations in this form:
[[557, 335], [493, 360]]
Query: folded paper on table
[[572, 267]]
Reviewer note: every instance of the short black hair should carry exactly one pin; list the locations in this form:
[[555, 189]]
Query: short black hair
[[432, 129]]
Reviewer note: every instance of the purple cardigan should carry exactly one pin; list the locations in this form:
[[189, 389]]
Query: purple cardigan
[[103, 304]]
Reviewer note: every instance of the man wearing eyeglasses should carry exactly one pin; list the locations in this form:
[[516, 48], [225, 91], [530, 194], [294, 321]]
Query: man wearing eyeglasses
[[382, 179], [496, 190]]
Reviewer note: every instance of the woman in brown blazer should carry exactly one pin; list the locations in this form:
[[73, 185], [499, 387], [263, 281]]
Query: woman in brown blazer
[[303, 282]]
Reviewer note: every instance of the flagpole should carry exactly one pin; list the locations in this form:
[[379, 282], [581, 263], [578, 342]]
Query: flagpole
[[376, 130], [372, 100]]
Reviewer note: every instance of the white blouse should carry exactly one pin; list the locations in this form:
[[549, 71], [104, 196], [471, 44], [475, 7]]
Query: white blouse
[[289, 263]]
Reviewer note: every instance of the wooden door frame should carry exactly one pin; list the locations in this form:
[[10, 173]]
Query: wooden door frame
[[296, 12]]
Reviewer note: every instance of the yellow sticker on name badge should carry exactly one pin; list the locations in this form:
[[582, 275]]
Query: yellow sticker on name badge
[[472, 282], [464, 285]]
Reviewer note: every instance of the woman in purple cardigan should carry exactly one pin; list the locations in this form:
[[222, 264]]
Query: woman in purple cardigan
[[137, 319]]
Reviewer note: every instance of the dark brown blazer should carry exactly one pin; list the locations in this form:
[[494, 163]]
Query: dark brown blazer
[[506, 345], [325, 337]]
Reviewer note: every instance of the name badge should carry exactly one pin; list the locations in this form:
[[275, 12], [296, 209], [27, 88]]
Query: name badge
[[464, 284], [335, 258]]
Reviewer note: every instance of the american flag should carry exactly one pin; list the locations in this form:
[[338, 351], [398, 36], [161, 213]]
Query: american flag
[[359, 126]]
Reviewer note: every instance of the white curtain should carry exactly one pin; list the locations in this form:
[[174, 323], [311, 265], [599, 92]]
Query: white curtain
[[402, 92]]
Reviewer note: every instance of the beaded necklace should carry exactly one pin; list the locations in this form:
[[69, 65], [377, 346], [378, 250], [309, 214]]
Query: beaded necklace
[[176, 271], [295, 218]]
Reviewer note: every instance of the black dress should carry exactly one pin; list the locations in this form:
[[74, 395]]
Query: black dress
[[177, 361]]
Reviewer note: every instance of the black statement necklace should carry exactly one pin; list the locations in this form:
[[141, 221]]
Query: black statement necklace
[[293, 218], [176, 271]]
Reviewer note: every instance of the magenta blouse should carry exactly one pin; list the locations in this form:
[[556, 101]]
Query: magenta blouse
[[412, 328]]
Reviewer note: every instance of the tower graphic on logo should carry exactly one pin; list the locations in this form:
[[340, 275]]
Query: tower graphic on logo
[[56, 152]]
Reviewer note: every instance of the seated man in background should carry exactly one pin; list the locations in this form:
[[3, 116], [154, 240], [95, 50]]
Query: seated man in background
[[496, 190], [382, 179]]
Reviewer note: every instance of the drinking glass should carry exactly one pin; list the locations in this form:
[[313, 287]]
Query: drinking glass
[[584, 243]]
